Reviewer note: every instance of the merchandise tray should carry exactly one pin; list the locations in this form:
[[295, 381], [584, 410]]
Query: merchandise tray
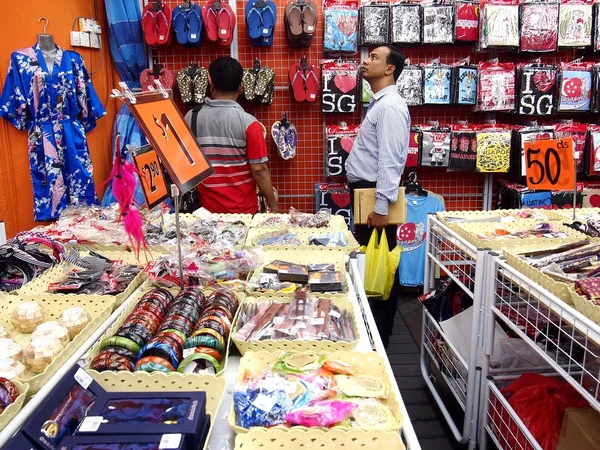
[[13, 409], [246, 218], [162, 382], [98, 308], [297, 344], [580, 213], [95, 350], [294, 439], [297, 256], [336, 223], [304, 235], [452, 218], [365, 363], [57, 274]]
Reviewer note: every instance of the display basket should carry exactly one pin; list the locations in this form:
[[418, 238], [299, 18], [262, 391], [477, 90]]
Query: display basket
[[585, 306], [580, 213], [295, 439], [97, 307], [452, 218], [371, 364], [213, 386], [13, 409], [336, 222], [279, 345], [295, 256], [304, 235]]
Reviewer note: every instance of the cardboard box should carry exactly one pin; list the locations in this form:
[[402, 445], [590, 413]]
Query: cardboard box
[[580, 430], [364, 202]]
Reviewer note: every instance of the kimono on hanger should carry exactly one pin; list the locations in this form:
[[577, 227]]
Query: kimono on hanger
[[56, 110]]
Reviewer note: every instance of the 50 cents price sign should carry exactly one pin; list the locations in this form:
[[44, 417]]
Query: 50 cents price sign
[[550, 164], [151, 176]]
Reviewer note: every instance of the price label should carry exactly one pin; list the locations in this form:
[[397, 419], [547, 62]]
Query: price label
[[172, 440], [263, 402], [335, 314], [550, 164], [83, 378], [317, 321], [151, 176], [188, 351], [90, 424]]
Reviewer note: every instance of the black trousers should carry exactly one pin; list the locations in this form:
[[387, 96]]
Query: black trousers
[[383, 311]]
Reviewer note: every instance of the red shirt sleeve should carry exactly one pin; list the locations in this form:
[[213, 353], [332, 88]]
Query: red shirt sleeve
[[255, 144]]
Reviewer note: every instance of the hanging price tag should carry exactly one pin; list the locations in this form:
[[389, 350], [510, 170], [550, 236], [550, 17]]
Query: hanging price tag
[[151, 176], [550, 164]]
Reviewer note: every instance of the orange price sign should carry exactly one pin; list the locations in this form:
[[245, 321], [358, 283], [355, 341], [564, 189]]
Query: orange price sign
[[550, 164], [150, 172], [168, 133]]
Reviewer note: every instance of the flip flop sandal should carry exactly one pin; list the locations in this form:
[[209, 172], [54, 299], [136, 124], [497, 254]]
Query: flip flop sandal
[[149, 26], [297, 83], [163, 20], [209, 17], [179, 22], [253, 20], [165, 77], [293, 18], [184, 81], [311, 85], [267, 99], [278, 135], [291, 140], [224, 19], [147, 80], [269, 18], [309, 18], [263, 78], [249, 81], [200, 85], [194, 34]]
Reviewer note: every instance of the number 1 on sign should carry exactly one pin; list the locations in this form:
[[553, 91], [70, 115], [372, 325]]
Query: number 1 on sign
[[550, 164]]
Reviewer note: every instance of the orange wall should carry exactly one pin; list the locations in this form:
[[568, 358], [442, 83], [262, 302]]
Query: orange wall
[[19, 29]]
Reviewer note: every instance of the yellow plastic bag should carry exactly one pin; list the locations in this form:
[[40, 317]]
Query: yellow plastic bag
[[380, 266]]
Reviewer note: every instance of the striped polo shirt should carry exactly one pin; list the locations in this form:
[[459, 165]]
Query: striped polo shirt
[[231, 139]]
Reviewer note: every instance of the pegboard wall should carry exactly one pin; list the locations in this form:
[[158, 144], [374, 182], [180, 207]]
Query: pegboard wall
[[295, 179]]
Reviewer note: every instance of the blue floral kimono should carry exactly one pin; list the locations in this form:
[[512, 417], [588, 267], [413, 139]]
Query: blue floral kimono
[[57, 110]]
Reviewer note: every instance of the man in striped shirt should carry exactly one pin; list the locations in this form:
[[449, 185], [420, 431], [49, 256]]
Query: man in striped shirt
[[234, 143]]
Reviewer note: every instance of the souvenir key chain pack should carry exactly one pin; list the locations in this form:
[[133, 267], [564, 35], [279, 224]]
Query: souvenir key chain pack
[[374, 24], [464, 85], [410, 84], [340, 87], [340, 139], [500, 24], [437, 84], [340, 19], [537, 89], [466, 20], [435, 150], [539, 26], [438, 24], [414, 145], [575, 86], [496, 86], [575, 23], [463, 147]]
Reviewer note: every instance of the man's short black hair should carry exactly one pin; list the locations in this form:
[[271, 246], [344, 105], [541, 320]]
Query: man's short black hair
[[226, 74], [396, 59]]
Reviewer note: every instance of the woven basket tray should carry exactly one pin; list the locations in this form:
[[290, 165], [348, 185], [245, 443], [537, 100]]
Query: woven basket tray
[[567, 214], [13, 409], [95, 350], [309, 256], [162, 382], [494, 215], [336, 223], [366, 364], [295, 439], [98, 308], [272, 345], [304, 235], [585, 306], [58, 273]]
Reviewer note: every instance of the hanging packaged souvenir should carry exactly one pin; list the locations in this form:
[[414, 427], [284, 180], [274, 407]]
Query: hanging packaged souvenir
[[537, 90], [340, 82], [406, 23], [437, 86], [594, 150], [575, 23], [595, 103], [500, 24], [577, 131], [466, 21], [528, 134], [496, 86], [340, 139], [414, 144], [493, 151], [366, 92], [341, 27], [596, 27], [539, 26], [464, 90], [374, 24], [410, 84], [438, 24], [435, 150], [463, 149], [336, 198], [575, 86]]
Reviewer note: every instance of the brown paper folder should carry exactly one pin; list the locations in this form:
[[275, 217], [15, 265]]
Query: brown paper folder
[[364, 202]]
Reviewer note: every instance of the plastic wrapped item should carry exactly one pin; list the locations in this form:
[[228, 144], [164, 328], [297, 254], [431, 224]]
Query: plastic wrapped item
[[467, 21], [339, 81], [374, 24], [340, 139], [576, 86], [438, 24], [263, 406], [406, 23], [280, 237], [493, 151], [539, 26], [537, 90], [110, 280], [464, 89], [463, 149], [340, 27], [437, 85], [325, 413], [410, 84], [435, 147], [500, 24], [21, 262], [306, 220], [371, 414], [333, 239], [496, 86], [575, 23], [414, 146]]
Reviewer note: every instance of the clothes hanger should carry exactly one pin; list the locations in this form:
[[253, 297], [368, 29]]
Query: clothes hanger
[[187, 5], [304, 63], [156, 68], [412, 186], [157, 5], [284, 122]]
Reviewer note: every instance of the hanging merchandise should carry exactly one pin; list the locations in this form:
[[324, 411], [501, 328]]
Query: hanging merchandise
[[366, 92], [595, 102], [528, 134], [496, 86], [575, 23], [576, 131], [261, 17], [339, 86], [406, 23], [596, 22], [193, 84], [414, 145], [435, 147], [493, 150], [341, 27], [466, 21], [537, 89], [374, 24], [285, 136], [219, 22], [410, 84], [464, 85], [187, 24], [57, 108], [463, 148], [300, 19], [500, 24], [336, 198], [304, 81], [156, 23], [438, 24], [437, 83], [576, 86], [259, 83], [539, 26], [158, 72], [594, 150], [339, 139]]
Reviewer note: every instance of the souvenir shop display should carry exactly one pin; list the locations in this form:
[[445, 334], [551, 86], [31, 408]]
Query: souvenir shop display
[[500, 24], [575, 86], [157, 18], [410, 84], [463, 148], [304, 81], [464, 84], [539, 26], [578, 132], [594, 150], [219, 22], [374, 24], [438, 24], [295, 218], [52, 330], [261, 18], [285, 136], [339, 142], [300, 19], [340, 22], [575, 24], [537, 89], [193, 84], [40, 353], [104, 278], [414, 145], [27, 316], [336, 198], [437, 85], [187, 24], [406, 23], [596, 30], [339, 85], [466, 21], [493, 150], [259, 83], [435, 146], [74, 320], [496, 86], [528, 134], [158, 72]]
